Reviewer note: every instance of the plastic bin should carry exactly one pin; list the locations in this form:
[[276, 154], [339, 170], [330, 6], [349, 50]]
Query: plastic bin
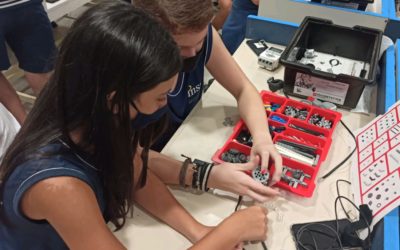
[[321, 140], [338, 48]]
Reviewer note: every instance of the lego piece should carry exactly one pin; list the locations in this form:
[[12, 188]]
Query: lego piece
[[276, 129], [320, 121], [245, 138], [306, 130], [275, 107], [278, 119], [297, 177], [268, 106], [259, 176], [234, 156]]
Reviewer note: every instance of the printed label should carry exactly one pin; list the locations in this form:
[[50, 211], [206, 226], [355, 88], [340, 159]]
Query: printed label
[[319, 88]]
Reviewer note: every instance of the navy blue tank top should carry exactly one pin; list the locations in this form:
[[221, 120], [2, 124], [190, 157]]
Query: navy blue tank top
[[20, 232], [187, 94], [189, 87]]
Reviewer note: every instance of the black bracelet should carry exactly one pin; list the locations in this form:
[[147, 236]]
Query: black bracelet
[[203, 176], [198, 174], [209, 168], [204, 169]]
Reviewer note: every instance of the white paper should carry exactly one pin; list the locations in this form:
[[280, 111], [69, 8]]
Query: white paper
[[376, 165]]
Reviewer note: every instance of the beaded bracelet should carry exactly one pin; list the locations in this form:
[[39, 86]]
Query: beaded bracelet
[[196, 180], [204, 169], [201, 173]]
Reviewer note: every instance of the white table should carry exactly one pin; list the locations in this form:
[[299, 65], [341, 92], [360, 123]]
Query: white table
[[202, 134]]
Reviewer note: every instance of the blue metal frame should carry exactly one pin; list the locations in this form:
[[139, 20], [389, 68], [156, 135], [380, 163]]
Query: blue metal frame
[[391, 10], [391, 234], [391, 230], [271, 30], [397, 70]]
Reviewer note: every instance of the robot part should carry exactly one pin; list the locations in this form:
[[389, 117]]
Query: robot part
[[296, 177]]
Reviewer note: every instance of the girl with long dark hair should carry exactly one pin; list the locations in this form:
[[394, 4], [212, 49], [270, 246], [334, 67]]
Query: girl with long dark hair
[[80, 159]]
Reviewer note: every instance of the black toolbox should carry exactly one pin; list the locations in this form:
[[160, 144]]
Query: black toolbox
[[360, 44]]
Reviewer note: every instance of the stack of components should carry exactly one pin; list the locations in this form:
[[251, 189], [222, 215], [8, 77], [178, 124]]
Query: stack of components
[[295, 178], [234, 156], [296, 113], [320, 121], [300, 152]]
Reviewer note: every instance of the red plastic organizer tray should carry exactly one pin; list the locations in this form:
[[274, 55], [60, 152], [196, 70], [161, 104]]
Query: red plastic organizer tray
[[321, 142]]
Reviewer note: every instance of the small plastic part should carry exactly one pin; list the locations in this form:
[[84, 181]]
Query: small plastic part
[[275, 84], [310, 53], [278, 119], [234, 156], [258, 175]]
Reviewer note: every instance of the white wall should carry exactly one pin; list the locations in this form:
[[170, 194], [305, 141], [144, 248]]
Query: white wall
[[292, 11]]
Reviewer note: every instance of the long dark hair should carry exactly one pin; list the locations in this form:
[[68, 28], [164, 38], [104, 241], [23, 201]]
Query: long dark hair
[[111, 47]]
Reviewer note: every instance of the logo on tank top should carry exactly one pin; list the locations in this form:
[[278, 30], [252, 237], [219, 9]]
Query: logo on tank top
[[193, 89]]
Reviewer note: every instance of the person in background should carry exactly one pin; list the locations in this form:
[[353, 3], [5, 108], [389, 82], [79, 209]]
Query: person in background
[[224, 8], [234, 29], [81, 158], [201, 46], [26, 28]]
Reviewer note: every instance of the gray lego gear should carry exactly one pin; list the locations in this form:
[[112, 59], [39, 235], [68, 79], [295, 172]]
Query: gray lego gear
[[260, 177]]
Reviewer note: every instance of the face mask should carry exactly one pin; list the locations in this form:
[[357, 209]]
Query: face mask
[[190, 63], [142, 120]]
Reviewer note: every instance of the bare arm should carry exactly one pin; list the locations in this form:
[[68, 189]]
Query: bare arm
[[70, 206], [256, 2], [223, 12], [228, 73], [10, 99], [227, 176], [158, 200], [245, 225], [167, 168], [225, 236], [155, 198]]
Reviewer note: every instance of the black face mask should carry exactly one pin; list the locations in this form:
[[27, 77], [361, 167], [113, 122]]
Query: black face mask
[[143, 120], [190, 63]]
